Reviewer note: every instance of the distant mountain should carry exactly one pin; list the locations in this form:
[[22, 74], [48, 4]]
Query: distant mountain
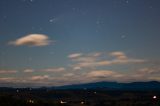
[[134, 86], [152, 85]]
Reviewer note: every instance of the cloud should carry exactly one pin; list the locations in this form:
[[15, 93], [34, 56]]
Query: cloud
[[61, 69], [142, 74], [8, 71], [28, 71], [92, 64], [98, 59], [76, 68], [92, 67], [75, 55], [88, 76], [6, 79], [40, 77], [149, 71], [101, 73], [127, 61], [69, 75], [97, 54], [32, 40], [154, 78], [119, 55], [85, 58]]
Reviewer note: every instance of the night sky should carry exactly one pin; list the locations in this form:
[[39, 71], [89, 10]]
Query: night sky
[[60, 42]]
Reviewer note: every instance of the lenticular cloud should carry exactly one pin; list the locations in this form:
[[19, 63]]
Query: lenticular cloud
[[32, 40]]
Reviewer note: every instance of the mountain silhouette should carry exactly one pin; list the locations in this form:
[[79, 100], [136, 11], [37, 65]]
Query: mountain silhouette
[[151, 85]]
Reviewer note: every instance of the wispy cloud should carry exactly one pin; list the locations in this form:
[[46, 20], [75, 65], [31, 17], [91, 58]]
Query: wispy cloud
[[7, 79], [60, 69], [32, 40], [74, 77], [8, 71], [76, 68], [40, 77], [69, 75], [90, 67], [119, 55], [149, 71], [53, 70], [75, 55], [28, 71], [101, 59], [101, 73]]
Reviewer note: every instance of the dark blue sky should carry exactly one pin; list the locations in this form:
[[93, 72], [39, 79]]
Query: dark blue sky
[[76, 41]]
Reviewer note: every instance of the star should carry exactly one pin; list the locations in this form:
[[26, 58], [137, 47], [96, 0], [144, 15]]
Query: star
[[40, 28], [30, 59], [4, 16], [97, 30], [74, 9], [127, 1], [98, 22], [28, 1], [123, 36], [150, 7], [31, 0], [51, 53], [32, 27], [53, 20]]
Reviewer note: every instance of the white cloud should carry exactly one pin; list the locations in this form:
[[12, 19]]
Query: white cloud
[[8, 71], [32, 40], [85, 59], [61, 69], [99, 59], [154, 78], [77, 77], [7, 79], [75, 55], [127, 61], [76, 68], [95, 54], [68, 75], [92, 67], [40, 77], [119, 55], [149, 71], [28, 71], [104, 75], [101, 73]]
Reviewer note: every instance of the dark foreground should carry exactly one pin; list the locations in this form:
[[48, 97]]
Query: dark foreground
[[45, 97]]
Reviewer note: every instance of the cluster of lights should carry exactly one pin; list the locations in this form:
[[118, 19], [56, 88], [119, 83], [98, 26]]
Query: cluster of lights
[[17, 90], [62, 102], [82, 102], [154, 97], [31, 101]]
